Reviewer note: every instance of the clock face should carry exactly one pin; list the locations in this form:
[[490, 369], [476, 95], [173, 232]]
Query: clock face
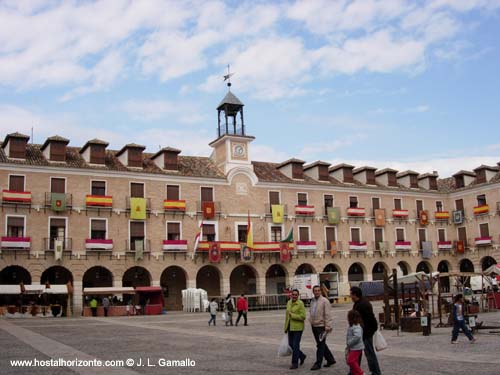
[[239, 150]]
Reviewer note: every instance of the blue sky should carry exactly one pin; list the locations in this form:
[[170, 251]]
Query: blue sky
[[393, 83]]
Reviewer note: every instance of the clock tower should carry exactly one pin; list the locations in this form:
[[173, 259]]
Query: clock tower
[[231, 148]]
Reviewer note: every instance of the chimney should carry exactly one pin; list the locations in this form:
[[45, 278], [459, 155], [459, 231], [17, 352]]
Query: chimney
[[464, 178], [365, 175], [94, 152], [54, 148], [15, 144], [131, 155], [342, 172], [167, 158], [318, 171], [408, 179], [387, 177], [428, 181], [292, 168], [484, 173]]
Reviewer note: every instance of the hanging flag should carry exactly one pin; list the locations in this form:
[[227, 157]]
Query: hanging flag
[[174, 205], [382, 247], [58, 249], [58, 201], [139, 249], [333, 215], [197, 238], [214, 254], [458, 217], [246, 253], [426, 249], [249, 233], [278, 211], [460, 246], [424, 217], [99, 200], [289, 236], [479, 210], [333, 248], [379, 217], [285, 254], [208, 209], [138, 208], [442, 215]]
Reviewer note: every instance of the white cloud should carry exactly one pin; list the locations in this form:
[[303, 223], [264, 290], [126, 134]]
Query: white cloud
[[261, 152], [152, 110]]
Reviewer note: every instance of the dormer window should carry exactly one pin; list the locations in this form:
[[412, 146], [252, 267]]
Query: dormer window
[[459, 182], [342, 172], [94, 152], [15, 145], [54, 148], [167, 158], [292, 168], [297, 171], [131, 155]]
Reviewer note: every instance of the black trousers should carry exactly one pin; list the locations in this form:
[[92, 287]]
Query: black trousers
[[94, 311], [322, 350], [242, 313]]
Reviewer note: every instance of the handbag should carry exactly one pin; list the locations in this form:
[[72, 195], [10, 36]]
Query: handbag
[[379, 341]]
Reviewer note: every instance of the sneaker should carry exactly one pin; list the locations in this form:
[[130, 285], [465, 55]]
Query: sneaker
[[454, 342]]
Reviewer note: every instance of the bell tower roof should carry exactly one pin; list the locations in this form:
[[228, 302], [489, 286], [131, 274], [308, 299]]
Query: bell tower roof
[[231, 100]]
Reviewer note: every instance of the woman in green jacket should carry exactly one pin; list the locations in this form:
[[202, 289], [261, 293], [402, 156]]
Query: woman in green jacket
[[294, 325]]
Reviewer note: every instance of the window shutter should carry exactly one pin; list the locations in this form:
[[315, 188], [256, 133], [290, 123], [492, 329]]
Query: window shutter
[[174, 228], [441, 235], [207, 194], [15, 221], [370, 177], [420, 207], [323, 173], [136, 229], [355, 235], [462, 234], [400, 235], [330, 235], [348, 177], [484, 230], [392, 181], [99, 225], [134, 157], [16, 183], [397, 204], [297, 171], [173, 192], [97, 154], [17, 148], [303, 234], [459, 204], [171, 160], [136, 190], [208, 229], [57, 185], [57, 151], [379, 235], [376, 203], [59, 223], [274, 197]]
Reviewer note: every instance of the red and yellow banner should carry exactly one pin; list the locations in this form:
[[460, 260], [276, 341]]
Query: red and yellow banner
[[379, 217], [400, 213], [442, 215], [99, 200], [484, 209], [214, 255], [16, 196], [266, 246], [208, 209], [424, 217], [356, 211], [223, 245], [460, 246], [179, 205], [285, 252]]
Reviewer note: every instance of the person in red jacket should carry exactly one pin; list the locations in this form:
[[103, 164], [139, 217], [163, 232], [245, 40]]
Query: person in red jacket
[[242, 307]]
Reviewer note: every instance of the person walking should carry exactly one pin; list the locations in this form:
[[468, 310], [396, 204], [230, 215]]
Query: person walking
[[370, 326], [354, 342], [212, 308], [105, 305], [321, 324], [93, 306], [459, 321], [242, 307], [229, 309], [294, 326]]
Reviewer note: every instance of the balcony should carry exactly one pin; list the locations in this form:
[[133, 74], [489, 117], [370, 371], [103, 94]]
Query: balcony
[[483, 209], [306, 246], [136, 244], [333, 246], [381, 246], [16, 197], [217, 206], [94, 244], [147, 200], [58, 201], [99, 201], [175, 245], [356, 212], [402, 245], [483, 241], [269, 210], [400, 215], [445, 245], [16, 243], [263, 247], [226, 246], [174, 205], [304, 210], [51, 242], [358, 246]]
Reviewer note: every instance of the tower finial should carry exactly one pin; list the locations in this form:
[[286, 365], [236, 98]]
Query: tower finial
[[227, 77]]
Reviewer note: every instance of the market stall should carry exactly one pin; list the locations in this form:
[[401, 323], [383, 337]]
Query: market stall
[[119, 304]]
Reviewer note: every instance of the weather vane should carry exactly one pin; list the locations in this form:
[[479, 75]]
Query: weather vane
[[227, 77]]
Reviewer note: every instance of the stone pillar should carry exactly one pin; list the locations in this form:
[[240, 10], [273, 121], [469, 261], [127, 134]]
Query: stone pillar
[[155, 283], [77, 298], [118, 283], [369, 277], [225, 287], [290, 280], [191, 283], [260, 285]]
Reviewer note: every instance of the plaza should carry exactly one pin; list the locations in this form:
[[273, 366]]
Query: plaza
[[220, 349]]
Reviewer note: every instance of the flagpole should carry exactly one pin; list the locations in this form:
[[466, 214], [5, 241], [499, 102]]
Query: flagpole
[[197, 238]]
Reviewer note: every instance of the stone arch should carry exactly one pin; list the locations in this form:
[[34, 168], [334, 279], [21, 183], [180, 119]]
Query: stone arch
[[356, 272], [243, 279], [209, 278], [444, 267], [403, 268], [424, 266], [56, 275], [466, 265], [332, 267], [487, 262], [276, 279], [136, 276], [242, 171], [97, 276], [173, 280], [14, 274], [378, 271], [305, 268]]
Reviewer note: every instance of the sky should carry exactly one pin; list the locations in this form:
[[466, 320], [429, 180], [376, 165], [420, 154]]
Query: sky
[[391, 83]]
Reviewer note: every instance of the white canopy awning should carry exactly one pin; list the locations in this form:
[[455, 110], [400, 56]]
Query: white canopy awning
[[492, 269], [10, 289], [109, 290]]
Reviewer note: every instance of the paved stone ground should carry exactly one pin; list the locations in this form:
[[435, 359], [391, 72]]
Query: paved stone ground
[[220, 349]]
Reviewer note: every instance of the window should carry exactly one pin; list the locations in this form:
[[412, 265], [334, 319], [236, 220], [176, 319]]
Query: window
[[328, 198], [98, 229], [304, 234], [171, 160], [57, 185], [378, 233], [242, 233], [414, 181], [137, 235], [98, 188], [330, 236], [208, 232], [16, 183], [422, 237], [57, 151], [57, 231], [441, 235], [17, 148], [302, 199], [15, 226], [459, 205], [348, 177], [462, 234], [274, 198], [355, 235], [484, 230], [323, 173], [433, 183], [353, 202], [481, 200], [400, 234], [173, 192], [459, 182], [276, 233], [297, 171], [391, 179], [137, 190], [134, 157], [207, 194], [370, 177], [376, 203], [420, 207], [173, 231], [97, 154], [397, 204], [439, 206]]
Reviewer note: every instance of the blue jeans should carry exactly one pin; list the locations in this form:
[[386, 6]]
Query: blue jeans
[[294, 338], [212, 319], [456, 328], [371, 356]]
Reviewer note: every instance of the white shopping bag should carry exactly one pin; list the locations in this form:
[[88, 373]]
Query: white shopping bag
[[284, 349], [223, 317], [379, 341]]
